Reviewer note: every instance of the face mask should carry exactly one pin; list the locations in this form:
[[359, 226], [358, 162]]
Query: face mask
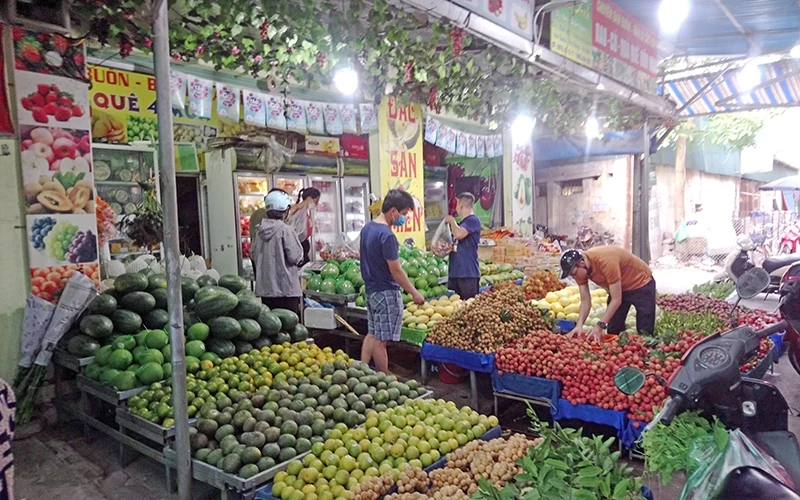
[[400, 220]]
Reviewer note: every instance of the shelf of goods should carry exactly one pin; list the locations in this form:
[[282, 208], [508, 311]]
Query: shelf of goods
[[251, 188]]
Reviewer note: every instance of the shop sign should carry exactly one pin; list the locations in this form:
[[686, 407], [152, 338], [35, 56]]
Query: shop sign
[[513, 15], [123, 105], [522, 186], [608, 40], [401, 160], [52, 104]]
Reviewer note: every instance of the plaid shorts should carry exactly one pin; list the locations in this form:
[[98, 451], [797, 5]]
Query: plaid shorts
[[385, 314]]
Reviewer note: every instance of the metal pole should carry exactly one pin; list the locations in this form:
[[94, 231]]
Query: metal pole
[[645, 209], [171, 246]]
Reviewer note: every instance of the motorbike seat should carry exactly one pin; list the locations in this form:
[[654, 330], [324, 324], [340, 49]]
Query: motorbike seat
[[774, 263]]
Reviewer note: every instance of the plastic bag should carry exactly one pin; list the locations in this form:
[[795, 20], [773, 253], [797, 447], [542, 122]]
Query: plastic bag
[[682, 234], [341, 249], [442, 241], [714, 466]]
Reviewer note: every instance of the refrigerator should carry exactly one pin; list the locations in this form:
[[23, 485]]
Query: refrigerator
[[436, 199], [328, 218], [250, 188], [292, 184], [355, 204]]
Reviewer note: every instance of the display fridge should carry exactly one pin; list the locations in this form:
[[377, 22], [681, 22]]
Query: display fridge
[[251, 188], [328, 220], [355, 202], [292, 184], [436, 207]]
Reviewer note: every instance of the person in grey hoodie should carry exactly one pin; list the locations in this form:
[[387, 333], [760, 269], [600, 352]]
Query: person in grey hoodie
[[278, 255]]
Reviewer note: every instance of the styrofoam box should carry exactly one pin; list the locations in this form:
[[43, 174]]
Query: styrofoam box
[[320, 318]]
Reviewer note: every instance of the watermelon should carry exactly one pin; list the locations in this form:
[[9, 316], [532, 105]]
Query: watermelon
[[269, 322], [189, 287], [282, 337], [251, 330], [242, 347], [125, 321], [232, 282], [245, 292], [138, 302], [160, 294], [130, 282], [288, 319], [299, 333], [206, 280], [156, 319], [223, 348], [216, 305], [156, 281], [248, 307], [207, 291], [96, 326], [82, 346], [103, 304], [262, 342], [224, 327]]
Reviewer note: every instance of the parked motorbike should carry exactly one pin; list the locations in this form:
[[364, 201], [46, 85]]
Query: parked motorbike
[[709, 380], [740, 260], [789, 239], [542, 232], [790, 311], [586, 238]]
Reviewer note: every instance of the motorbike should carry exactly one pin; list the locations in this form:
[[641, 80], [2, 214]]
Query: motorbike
[[709, 380], [789, 239], [586, 238], [789, 293], [740, 261], [542, 232]]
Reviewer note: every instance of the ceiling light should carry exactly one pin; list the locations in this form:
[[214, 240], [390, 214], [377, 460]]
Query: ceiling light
[[672, 13], [522, 127], [600, 86], [795, 52], [748, 77], [592, 127], [346, 81]]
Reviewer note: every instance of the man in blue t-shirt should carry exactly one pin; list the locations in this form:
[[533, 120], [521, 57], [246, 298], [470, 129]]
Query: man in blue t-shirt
[[464, 274], [383, 278]]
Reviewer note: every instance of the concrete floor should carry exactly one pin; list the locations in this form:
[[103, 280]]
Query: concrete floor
[[59, 463]]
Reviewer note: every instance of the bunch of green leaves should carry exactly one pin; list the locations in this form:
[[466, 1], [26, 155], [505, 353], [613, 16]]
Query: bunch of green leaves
[[717, 290], [732, 131], [567, 465], [670, 323], [667, 449], [145, 225], [395, 52]]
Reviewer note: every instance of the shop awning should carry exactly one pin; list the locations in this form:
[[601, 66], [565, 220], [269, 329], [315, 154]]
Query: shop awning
[[720, 91]]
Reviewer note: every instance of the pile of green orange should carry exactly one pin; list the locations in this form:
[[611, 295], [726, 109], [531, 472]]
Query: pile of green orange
[[414, 434]]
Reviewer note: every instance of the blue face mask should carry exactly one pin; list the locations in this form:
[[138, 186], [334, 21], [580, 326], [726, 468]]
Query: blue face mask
[[400, 220]]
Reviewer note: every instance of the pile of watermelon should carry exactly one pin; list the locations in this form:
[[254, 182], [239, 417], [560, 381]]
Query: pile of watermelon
[[237, 321], [339, 278]]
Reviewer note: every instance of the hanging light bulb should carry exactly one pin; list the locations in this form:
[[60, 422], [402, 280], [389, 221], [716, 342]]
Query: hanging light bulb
[[795, 52], [748, 77], [522, 127], [672, 13], [592, 127], [346, 81]]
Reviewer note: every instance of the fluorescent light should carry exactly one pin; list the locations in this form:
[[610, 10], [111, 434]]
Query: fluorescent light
[[795, 52], [672, 13], [592, 127], [522, 127], [748, 77], [346, 81], [600, 86]]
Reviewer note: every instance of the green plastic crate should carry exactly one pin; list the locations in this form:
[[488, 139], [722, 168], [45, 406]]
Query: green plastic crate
[[413, 336]]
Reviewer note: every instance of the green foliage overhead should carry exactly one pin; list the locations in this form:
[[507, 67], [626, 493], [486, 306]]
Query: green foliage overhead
[[409, 55], [733, 131]]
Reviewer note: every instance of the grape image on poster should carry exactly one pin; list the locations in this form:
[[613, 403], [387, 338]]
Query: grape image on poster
[[52, 100], [61, 239]]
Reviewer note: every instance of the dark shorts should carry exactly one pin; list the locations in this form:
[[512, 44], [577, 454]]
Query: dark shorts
[[290, 303], [385, 315], [644, 300], [466, 288]]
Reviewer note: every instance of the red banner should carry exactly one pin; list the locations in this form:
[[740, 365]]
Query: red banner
[[619, 35], [6, 127]]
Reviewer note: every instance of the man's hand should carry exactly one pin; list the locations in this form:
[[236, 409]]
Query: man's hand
[[449, 219], [417, 297], [575, 331], [594, 333]]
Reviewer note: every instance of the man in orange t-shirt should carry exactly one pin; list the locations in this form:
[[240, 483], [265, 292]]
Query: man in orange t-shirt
[[627, 278]]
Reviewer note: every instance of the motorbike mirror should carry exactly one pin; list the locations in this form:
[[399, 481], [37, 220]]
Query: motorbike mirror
[[752, 282], [629, 380]]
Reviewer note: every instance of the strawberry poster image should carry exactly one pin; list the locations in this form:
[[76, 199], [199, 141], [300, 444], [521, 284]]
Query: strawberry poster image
[[48, 282], [52, 101], [48, 54], [57, 170]]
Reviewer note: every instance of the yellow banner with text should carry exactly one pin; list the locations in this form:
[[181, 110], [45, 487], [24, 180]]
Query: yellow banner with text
[[400, 132]]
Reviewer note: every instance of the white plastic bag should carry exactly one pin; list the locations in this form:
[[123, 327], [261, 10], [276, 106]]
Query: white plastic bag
[[79, 291], [38, 313], [442, 241]]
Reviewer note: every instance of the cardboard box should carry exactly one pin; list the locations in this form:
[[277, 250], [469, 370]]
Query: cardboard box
[[354, 146]]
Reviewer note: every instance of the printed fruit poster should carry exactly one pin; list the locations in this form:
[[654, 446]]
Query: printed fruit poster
[[123, 109], [400, 132], [522, 186], [56, 154], [489, 199]]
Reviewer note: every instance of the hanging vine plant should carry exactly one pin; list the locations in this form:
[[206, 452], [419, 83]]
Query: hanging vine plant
[[304, 42]]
